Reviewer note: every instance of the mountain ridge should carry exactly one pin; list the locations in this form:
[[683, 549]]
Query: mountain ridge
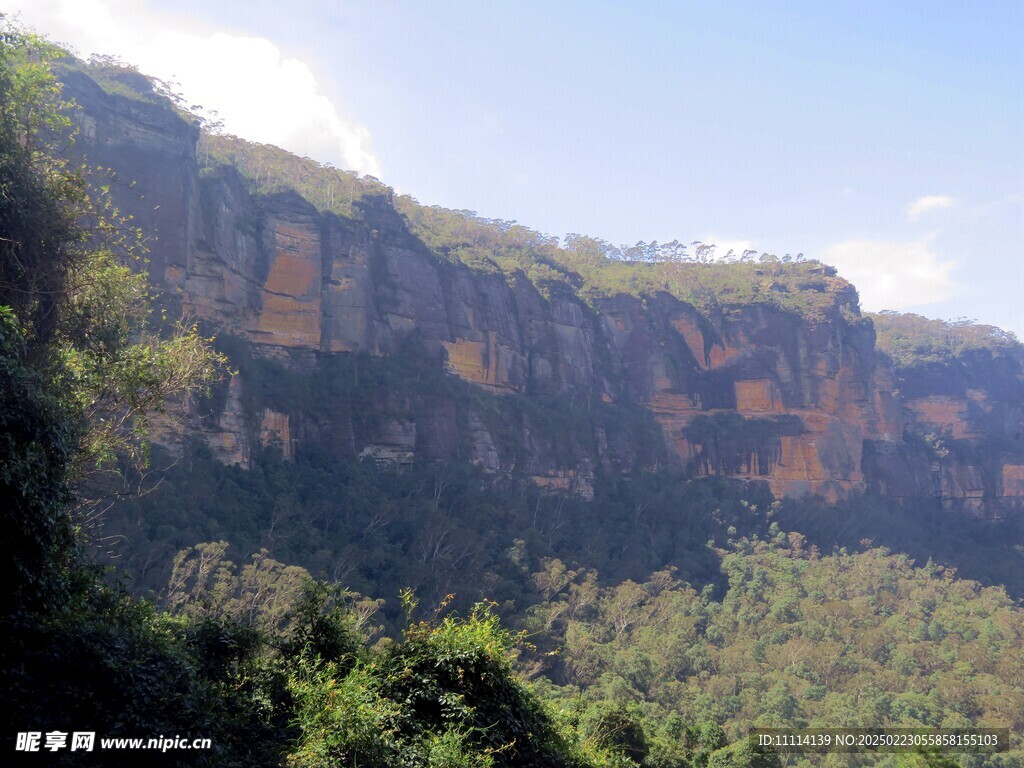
[[551, 363]]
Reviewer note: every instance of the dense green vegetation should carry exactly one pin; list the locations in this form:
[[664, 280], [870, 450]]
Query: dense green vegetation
[[913, 341], [799, 638], [715, 285], [270, 169], [765, 630], [436, 527]]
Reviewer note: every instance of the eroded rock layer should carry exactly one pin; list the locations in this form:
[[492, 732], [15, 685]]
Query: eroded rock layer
[[352, 337]]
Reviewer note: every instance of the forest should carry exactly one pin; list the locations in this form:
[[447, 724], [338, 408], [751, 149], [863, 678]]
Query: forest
[[312, 612]]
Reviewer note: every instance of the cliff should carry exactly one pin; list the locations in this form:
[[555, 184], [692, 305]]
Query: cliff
[[355, 333]]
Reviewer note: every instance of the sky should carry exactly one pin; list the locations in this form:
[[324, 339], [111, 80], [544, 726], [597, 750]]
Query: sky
[[883, 138]]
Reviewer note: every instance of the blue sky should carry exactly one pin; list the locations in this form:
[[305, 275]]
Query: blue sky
[[882, 137]]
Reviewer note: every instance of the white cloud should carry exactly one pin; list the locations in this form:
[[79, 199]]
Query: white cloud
[[259, 93], [890, 274], [928, 203], [726, 244]]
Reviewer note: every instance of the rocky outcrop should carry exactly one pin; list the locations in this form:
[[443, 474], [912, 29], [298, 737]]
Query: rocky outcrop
[[964, 420], [805, 397], [490, 369]]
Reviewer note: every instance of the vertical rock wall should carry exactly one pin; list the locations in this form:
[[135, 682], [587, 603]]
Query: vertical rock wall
[[752, 393]]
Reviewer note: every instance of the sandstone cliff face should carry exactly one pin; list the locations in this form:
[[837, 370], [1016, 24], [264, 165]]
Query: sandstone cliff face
[[806, 397], [553, 387], [964, 423]]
